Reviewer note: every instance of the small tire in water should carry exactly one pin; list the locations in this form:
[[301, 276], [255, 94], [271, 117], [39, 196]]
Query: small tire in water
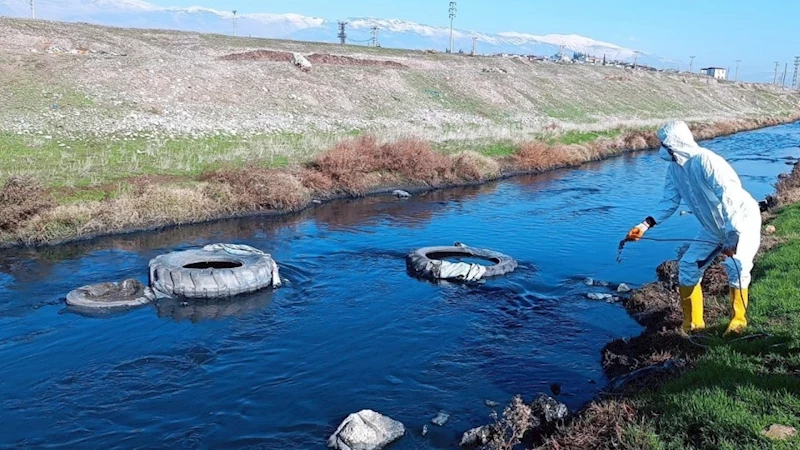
[[215, 271], [127, 294], [424, 262]]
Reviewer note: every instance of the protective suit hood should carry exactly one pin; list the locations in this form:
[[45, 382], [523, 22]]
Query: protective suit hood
[[677, 137]]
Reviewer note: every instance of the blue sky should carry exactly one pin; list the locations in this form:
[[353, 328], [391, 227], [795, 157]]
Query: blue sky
[[717, 32]]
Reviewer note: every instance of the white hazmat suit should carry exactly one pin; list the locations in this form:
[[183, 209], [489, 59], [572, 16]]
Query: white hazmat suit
[[730, 219]]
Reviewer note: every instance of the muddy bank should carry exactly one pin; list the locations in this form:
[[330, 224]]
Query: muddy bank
[[352, 168], [607, 422]]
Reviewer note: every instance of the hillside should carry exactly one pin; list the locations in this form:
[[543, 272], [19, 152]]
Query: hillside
[[106, 130], [98, 80]]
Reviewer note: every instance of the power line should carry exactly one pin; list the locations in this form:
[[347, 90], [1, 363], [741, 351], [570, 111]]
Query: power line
[[736, 78], [474, 43], [343, 32], [453, 11], [691, 64], [33, 9], [794, 77]]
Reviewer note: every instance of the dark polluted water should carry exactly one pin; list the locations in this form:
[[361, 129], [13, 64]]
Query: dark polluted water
[[350, 329]]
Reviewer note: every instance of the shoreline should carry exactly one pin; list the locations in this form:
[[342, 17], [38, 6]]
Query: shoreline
[[639, 368], [412, 166]]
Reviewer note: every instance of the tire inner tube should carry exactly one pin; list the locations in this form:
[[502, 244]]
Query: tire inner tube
[[215, 271], [431, 263]]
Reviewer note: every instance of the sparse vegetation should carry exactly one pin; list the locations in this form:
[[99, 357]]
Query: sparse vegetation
[[94, 192]]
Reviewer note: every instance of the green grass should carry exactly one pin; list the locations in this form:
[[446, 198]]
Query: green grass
[[582, 137], [740, 387], [61, 162], [492, 149]]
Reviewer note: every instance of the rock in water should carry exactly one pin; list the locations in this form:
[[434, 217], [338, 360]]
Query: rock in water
[[366, 430], [623, 288], [491, 403], [440, 419], [588, 282], [549, 410], [597, 296], [475, 437], [401, 194]]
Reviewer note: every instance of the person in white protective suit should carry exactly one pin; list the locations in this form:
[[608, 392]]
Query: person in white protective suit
[[730, 219]]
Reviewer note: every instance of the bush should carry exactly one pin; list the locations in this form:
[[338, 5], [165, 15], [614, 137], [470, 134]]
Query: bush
[[21, 199], [256, 188]]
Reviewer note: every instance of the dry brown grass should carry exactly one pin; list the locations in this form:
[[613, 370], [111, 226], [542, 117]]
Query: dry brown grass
[[788, 188], [602, 425], [152, 206], [258, 189], [472, 166], [351, 167], [360, 164], [20, 200], [540, 157]]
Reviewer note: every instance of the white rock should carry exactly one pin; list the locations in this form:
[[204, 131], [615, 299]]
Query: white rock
[[623, 288], [440, 419], [401, 194], [301, 62], [588, 282], [474, 437], [366, 430], [598, 296]]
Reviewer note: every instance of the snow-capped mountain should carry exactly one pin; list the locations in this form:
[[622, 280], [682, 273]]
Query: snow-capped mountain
[[392, 33]]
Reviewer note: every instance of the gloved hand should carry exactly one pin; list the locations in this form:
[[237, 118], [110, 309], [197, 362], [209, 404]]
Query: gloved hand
[[637, 232], [731, 244]]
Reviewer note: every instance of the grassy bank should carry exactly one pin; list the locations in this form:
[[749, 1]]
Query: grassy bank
[[60, 191], [733, 388]]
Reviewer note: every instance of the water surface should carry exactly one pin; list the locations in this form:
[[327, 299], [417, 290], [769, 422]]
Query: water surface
[[350, 329]]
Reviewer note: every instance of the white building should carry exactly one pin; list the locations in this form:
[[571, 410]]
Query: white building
[[715, 72]]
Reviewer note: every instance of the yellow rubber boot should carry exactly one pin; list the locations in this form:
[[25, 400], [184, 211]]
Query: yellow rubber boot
[[739, 299], [692, 303]]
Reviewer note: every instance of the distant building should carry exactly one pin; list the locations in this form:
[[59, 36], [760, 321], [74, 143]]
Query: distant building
[[715, 72]]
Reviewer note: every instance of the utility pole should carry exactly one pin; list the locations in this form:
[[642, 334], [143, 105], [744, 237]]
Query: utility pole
[[343, 32], [453, 11], [33, 10], [375, 36], [474, 44], [234, 23], [736, 78], [691, 64], [775, 79], [635, 58], [794, 77], [785, 70], [560, 52]]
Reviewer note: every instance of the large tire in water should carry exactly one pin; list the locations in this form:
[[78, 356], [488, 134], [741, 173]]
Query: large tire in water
[[127, 294], [215, 271], [428, 262]]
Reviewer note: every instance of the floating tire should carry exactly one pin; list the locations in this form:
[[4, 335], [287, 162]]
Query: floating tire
[[215, 271], [429, 262], [127, 294]]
